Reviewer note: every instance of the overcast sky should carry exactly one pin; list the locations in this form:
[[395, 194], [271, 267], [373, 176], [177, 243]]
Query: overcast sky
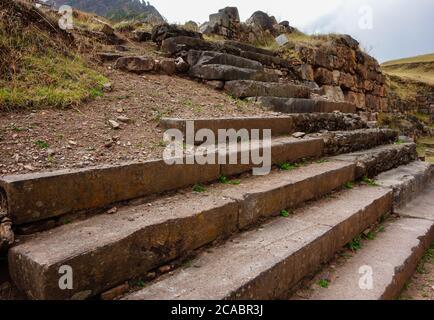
[[387, 29]]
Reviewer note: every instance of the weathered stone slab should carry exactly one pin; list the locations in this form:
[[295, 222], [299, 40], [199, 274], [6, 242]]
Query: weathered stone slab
[[374, 161], [33, 197], [296, 105], [195, 57], [289, 249], [106, 250], [393, 257], [228, 73], [137, 64], [340, 142], [407, 181], [304, 122], [248, 88]]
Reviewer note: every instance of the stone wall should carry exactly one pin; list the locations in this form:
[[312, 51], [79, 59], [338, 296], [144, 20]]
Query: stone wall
[[339, 64], [425, 104]]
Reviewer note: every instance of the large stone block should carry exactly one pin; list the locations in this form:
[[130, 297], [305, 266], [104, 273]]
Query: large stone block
[[137, 64], [248, 88]]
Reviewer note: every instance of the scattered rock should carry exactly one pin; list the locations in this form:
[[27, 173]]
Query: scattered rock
[[112, 210], [107, 87], [115, 125], [298, 134], [115, 292], [123, 119], [107, 29], [165, 269]]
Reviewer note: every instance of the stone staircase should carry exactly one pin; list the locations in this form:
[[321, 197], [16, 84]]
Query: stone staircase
[[242, 70], [251, 239]]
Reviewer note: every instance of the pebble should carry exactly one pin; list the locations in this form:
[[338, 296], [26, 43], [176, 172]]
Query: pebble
[[114, 124]]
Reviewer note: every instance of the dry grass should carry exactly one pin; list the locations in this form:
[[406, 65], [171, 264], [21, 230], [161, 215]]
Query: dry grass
[[417, 59], [420, 68]]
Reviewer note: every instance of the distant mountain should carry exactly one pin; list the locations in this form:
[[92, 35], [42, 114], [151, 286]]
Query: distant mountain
[[117, 10]]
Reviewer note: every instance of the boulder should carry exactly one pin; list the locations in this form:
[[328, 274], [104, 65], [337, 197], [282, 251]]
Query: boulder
[[165, 31], [142, 36], [225, 22], [182, 43], [136, 64], [181, 65], [107, 29], [261, 21], [167, 66]]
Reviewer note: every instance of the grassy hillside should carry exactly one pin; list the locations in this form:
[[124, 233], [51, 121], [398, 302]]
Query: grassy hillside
[[39, 64], [420, 68], [116, 10]]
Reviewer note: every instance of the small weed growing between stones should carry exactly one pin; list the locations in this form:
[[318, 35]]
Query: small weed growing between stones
[[355, 244], [199, 188], [349, 185], [324, 283], [140, 283], [370, 182], [284, 213], [225, 180], [41, 144]]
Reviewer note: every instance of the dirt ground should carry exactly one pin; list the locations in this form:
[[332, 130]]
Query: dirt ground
[[44, 140], [421, 285]]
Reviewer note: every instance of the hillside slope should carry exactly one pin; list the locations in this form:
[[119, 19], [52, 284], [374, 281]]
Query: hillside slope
[[116, 9], [420, 68], [39, 64]]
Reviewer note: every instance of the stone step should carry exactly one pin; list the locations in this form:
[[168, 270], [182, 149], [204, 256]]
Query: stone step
[[195, 58], [228, 73], [106, 250], [282, 125], [266, 263], [343, 142], [393, 255], [40, 196], [109, 56], [407, 181], [297, 105], [374, 161], [248, 88]]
